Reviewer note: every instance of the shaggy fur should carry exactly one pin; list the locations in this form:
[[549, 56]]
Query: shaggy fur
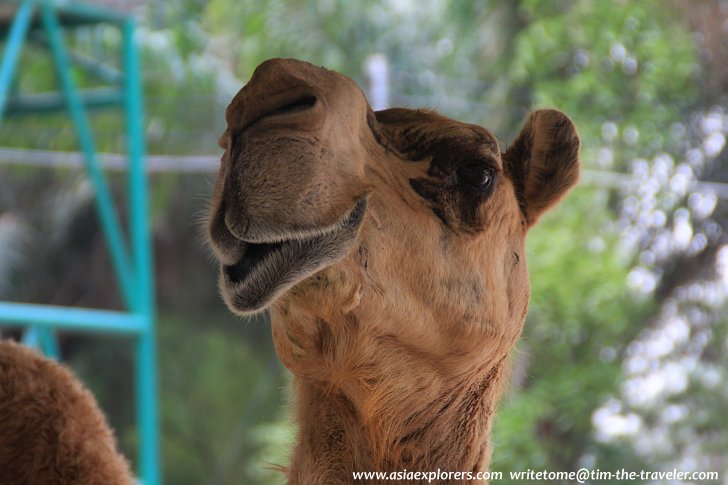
[[398, 328], [52, 432]]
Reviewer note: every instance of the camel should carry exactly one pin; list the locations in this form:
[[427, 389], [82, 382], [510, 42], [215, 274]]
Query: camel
[[51, 428], [389, 249]]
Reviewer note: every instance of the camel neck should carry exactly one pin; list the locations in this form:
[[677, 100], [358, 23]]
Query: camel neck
[[425, 432]]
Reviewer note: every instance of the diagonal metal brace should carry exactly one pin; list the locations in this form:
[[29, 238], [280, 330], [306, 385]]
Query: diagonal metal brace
[[16, 38], [104, 203]]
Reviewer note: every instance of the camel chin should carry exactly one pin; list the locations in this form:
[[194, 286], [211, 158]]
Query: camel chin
[[266, 269]]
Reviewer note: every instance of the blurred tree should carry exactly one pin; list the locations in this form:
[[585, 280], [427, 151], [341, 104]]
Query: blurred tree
[[629, 77]]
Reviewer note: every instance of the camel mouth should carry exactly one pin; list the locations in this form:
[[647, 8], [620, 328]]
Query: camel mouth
[[267, 269], [254, 254]]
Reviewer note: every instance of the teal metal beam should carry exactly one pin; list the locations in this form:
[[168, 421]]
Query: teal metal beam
[[39, 103], [74, 319], [96, 68], [140, 233], [147, 404], [150, 464], [42, 338], [104, 203], [70, 14], [86, 13], [16, 39], [90, 64]]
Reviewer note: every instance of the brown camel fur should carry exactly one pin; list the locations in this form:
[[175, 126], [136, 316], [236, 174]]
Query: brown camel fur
[[52, 432], [389, 248]]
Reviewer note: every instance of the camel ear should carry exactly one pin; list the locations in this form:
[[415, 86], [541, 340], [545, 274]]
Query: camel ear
[[543, 162]]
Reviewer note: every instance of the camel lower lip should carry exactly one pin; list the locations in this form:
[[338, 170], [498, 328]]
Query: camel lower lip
[[254, 254], [266, 269]]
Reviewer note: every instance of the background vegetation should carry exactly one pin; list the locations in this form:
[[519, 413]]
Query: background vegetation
[[623, 361]]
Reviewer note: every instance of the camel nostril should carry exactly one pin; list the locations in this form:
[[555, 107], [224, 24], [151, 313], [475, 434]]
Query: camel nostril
[[281, 106], [297, 105]]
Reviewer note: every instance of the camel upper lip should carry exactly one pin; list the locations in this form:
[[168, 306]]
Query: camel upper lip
[[256, 253]]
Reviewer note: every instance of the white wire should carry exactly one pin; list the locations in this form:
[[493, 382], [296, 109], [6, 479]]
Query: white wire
[[209, 163]]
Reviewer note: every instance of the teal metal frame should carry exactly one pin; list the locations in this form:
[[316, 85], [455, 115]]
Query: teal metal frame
[[132, 257]]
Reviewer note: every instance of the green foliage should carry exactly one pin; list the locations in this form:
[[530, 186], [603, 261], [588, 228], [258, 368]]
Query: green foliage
[[216, 390], [341, 35], [632, 65]]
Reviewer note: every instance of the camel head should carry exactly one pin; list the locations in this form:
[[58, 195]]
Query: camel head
[[324, 206]]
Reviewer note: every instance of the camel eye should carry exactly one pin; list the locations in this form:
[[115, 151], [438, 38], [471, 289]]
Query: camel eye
[[475, 175]]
